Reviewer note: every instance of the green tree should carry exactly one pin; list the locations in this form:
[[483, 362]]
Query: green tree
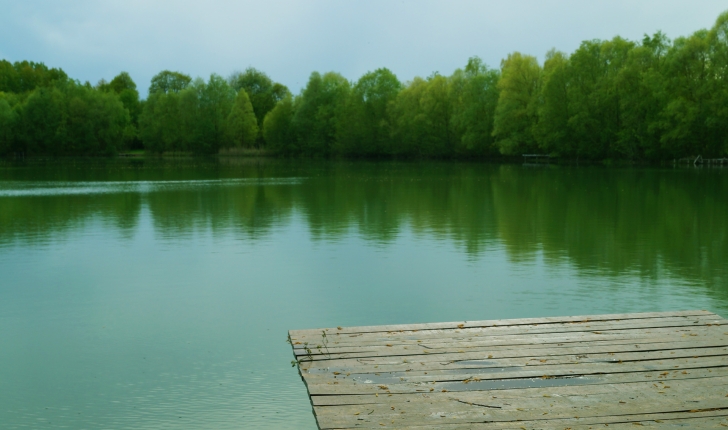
[[422, 115], [192, 119], [516, 112], [682, 121], [169, 82], [43, 122], [437, 107], [123, 85], [364, 126], [552, 129], [68, 118], [264, 94], [409, 122], [160, 126], [8, 77], [595, 103], [641, 85], [717, 120], [216, 100], [241, 122], [475, 97], [316, 117], [188, 116], [27, 76], [95, 122], [122, 82], [8, 119], [278, 128]]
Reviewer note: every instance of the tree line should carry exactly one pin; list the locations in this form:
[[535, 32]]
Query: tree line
[[652, 99], [42, 111]]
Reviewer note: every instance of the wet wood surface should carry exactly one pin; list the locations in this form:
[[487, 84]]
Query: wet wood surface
[[665, 370]]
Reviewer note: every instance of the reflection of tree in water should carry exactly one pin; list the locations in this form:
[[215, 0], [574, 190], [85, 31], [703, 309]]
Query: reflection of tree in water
[[611, 221], [616, 221], [37, 219], [248, 210]]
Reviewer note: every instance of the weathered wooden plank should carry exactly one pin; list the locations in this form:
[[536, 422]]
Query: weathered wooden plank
[[684, 423], [625, 382], [514, 342], [557, 372], [538, 409], [384, 355], [454, 337], [685, 420], [478, 359], [475, 359], [414, 374], [520, 350], [337, 337], [516, 323], [552, 326], [508, 322], [442, 413], [538, 351], [553, 399], [585, 407]]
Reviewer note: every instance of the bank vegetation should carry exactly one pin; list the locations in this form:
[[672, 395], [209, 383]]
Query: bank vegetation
[[647, 100]]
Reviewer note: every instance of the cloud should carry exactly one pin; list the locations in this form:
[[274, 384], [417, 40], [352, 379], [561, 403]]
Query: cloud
[[288, 39]]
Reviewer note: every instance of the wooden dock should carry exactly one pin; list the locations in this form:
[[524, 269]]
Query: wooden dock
[[624, 371]]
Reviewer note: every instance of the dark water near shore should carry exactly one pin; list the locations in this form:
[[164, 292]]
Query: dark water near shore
[[157, 293]]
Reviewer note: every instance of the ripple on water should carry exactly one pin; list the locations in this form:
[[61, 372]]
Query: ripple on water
[[203, 405], [33, 188]]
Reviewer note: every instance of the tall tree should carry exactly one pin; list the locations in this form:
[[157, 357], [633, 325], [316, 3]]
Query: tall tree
[[683, 128], [409, 122], [215, 100], [241, 122], [43, 122], [475, 97], [641, 85], [123, 85], [316, 117], [264, 94], [8, 119], [160, 125], [596, 99], [717, 120], [169, 82], [552, 128], [364, 127], [437, 107], [278, 128], [95, 122], [516, 112], [8, 77]]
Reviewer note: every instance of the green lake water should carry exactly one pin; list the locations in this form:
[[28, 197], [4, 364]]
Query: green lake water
[[157, 294]]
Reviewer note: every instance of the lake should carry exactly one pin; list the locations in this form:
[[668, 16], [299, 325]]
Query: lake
[[157, 294]]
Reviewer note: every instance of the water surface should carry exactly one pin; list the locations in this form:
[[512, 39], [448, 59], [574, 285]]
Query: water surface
[[157, 293]]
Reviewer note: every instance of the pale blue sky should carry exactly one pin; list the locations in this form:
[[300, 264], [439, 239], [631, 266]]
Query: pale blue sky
[[94, 39]]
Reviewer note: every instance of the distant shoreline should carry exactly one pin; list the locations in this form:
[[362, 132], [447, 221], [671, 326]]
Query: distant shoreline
[[614, 101], [262, 154]]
